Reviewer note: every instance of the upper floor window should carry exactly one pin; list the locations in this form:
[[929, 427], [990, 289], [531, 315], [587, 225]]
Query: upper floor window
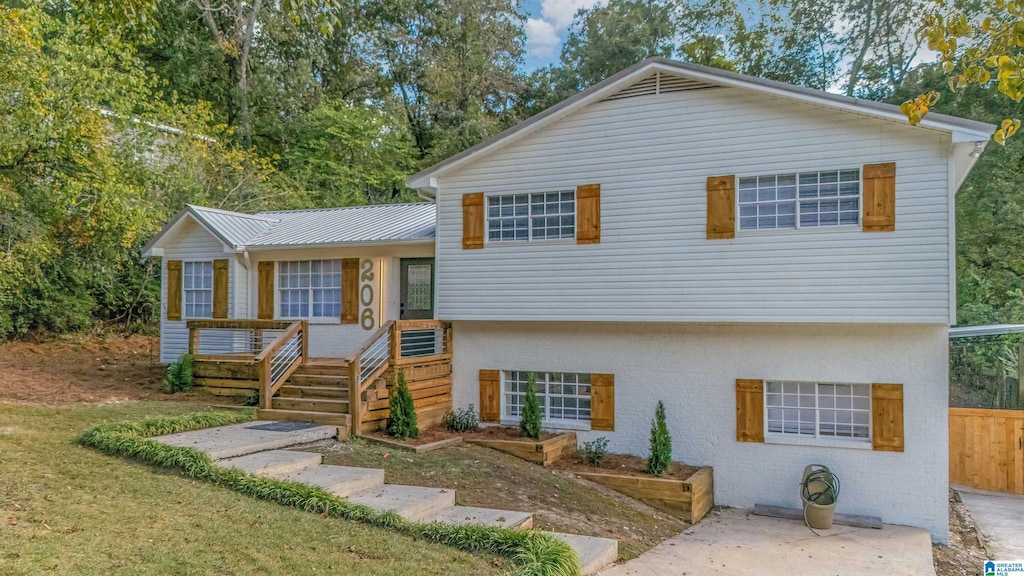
[[800, 200], [818, 410], [309, 288], [197, 283], [536, 216]]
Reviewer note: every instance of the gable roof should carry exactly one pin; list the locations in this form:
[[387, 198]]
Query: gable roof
[[375, 224], [696, 76]]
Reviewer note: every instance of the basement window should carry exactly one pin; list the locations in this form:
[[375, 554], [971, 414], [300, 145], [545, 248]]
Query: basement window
[[564, 397], [817, 410], [800, 200]]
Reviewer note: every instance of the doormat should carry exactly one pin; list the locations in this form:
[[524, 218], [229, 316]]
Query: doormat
[[283, 426]]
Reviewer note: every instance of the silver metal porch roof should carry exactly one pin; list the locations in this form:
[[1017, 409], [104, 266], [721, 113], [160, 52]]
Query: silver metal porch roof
[[353, 225]]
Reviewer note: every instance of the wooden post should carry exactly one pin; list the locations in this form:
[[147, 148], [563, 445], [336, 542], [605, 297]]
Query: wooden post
[[447, 338], [1020, 370], [305, 341], [257, 340], [395, 347], [265, 382], [193, 340], [355, 409]]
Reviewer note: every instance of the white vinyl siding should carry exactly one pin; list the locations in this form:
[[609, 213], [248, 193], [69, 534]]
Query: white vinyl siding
[[818, 410], [564, 397], [652, 157], [309, 289], [537, 216], [197, 288]]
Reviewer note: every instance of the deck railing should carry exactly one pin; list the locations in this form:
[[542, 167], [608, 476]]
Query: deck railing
[[279, 360], [394, 344]]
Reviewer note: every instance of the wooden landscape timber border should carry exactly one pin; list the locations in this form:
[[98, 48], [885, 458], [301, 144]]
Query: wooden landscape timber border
[[689, 499], [416, 448], [430, 382], [542, 452]]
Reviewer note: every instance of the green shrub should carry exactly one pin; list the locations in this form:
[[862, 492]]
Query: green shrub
[[462, 420], [179, 375], [529, 419], [532, 553], [661, 443], [595, 450], [402, 416]]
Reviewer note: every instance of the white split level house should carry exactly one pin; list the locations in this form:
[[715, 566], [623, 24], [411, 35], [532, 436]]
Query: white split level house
[[774, 263]]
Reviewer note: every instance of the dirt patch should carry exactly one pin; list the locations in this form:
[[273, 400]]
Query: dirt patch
[[77, 370], [502, 433], [624, 464], [428, 436], [966, 553]]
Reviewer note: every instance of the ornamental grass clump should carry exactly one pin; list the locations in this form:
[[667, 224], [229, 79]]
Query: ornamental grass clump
[[402, 413], [529, 419], [661, 443]]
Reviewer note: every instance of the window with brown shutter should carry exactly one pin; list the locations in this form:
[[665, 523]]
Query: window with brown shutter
[[879, 197], [721, 217], [490, 395], [588, 214], [265, 290], [350, 291], [750, 410], [174, 289], [473, 221], [887, 417], [602, 402], [220, 288]]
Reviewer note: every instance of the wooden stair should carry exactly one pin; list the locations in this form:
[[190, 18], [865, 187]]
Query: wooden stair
[[317, 392]]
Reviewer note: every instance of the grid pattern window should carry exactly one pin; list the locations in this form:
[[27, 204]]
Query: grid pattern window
[[309, 288], [800, 200], [537, 216], [563, 396], [197, 282], [818, 410]]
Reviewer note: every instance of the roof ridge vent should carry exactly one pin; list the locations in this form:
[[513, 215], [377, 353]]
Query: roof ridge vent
[[659, 83]]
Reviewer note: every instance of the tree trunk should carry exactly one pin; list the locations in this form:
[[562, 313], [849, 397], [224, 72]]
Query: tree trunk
[[858, 62]]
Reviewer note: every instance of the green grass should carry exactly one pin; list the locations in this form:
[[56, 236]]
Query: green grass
[[488, 478], [67, 509]]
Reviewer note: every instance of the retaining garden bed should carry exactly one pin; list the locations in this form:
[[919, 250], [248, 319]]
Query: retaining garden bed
[[429, 440], [545, 451]]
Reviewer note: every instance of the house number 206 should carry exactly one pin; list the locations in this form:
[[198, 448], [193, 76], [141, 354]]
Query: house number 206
[[366, 277]]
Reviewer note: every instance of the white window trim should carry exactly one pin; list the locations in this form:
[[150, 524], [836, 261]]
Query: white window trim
[[798, 229], [185, 316], [310, 319], [546, 423], [816, 440], [530, 239]]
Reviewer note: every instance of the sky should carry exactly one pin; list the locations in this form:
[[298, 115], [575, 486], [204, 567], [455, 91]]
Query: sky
[[546, 27]]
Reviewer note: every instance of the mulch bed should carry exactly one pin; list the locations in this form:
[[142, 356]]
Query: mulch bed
[[623, 464], [503, 433], [428, 436], [438, 433]]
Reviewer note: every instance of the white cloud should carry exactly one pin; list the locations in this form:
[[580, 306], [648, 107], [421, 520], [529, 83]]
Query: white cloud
[[541, 38], [560, 12]]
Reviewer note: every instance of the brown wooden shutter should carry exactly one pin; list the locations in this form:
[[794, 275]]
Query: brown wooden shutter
[[602, 402], [588, 214], [265, 290], [887, 417], [750, 410], [879, 197], [220, 288], [174, 289], [473, 221], [350, 291], [721, 207], [490, 395]]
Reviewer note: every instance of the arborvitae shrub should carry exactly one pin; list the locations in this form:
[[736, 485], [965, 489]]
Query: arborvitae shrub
[[661, 443], [402, 417], [529, 420], [179, 375]]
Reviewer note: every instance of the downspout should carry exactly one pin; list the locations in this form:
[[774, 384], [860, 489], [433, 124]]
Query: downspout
[[424, 196]]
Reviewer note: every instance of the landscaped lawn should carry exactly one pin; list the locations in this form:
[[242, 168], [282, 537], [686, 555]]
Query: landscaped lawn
[[488, 478], [65, 509]]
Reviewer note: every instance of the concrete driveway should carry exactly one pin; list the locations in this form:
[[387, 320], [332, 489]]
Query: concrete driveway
[[1000, 517], [735, 542]]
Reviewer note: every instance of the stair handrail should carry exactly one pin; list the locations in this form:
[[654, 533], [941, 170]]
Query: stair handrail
[[368, 356], [278, 361]]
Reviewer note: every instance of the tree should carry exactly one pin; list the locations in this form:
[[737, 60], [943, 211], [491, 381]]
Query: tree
[[974, 48], [529, 419], [660, 458], [401, 411]]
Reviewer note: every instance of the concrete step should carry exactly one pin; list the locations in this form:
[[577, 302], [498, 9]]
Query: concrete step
[[485, 517], [342, 481], [331, 405], [595, 553], [247, 438], [273, 462], [326, 418], [413, 503], [332, 392]]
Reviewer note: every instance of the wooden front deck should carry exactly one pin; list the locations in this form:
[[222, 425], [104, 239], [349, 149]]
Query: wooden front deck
[[269, 360]]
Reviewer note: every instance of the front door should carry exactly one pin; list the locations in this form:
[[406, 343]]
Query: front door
[[417, 301]]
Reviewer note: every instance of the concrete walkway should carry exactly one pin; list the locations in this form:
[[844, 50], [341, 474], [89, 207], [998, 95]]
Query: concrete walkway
[[1000, 517], [735, 542]]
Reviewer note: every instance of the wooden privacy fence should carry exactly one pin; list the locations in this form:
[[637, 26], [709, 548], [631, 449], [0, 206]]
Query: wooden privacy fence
[[986, 449]]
